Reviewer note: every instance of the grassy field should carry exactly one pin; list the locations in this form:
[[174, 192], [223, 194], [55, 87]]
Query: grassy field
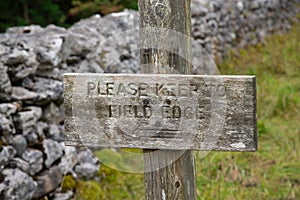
[[271, 173]]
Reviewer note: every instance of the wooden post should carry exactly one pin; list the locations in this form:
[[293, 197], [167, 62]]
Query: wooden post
[[168, 174], [122, 110]]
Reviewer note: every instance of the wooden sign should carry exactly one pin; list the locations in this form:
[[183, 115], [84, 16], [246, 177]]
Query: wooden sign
[[157, 111]]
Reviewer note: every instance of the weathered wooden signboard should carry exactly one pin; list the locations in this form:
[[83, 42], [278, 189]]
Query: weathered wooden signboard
[[161, 111], [172, 113]]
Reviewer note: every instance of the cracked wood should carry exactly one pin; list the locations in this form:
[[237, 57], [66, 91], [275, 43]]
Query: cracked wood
[[161, 111]]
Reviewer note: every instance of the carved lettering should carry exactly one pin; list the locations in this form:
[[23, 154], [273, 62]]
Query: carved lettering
[[167, 110], [129, 111], [141, 89], [109, 88], [90, 86]]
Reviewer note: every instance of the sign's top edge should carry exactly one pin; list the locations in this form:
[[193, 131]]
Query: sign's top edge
[[162, 75]]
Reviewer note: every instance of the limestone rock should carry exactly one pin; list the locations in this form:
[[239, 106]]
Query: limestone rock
[[41, 128], [47, 182], [26, 119], [54, 73], [17, 185], [32, 29], [87, 170], [55, 133], [7, 139], [32, 138], [8, 108], [68, 161], [20, 144], [103, 48], [48, 89], [215, 5], [240, 5], [21, 61], [6, 153], [27, 68], [87, 165], [53, 151], [35, 159], [52, 114], [63, 196], [19, 163], [5, 84], [6, 125], [48, 51], [22, 94], [18, 55], [197, 9]]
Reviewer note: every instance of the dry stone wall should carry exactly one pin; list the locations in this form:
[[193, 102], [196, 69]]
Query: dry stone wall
[[33, 158], [220, 26]]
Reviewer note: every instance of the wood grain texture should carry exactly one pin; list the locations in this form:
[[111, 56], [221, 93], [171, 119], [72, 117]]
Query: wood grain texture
[[159, 111], [165, 48], [169, 174], [165, 34]]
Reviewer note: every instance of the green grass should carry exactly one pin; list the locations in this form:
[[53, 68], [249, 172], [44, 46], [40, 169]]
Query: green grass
[[271, 173], [274, 171]]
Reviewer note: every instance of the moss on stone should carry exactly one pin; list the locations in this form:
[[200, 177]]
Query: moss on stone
[[68, 183], [89, 190]]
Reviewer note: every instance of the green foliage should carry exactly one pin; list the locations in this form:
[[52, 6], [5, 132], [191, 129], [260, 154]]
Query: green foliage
[[89, 190], [113, 185], [59, 12], [125, 159], [86, 8], [68, 183], [273, 172], [23, 12]]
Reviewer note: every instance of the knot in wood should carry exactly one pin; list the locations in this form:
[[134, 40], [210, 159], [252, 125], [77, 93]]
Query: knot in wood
[[177, 184], [162, 10]]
